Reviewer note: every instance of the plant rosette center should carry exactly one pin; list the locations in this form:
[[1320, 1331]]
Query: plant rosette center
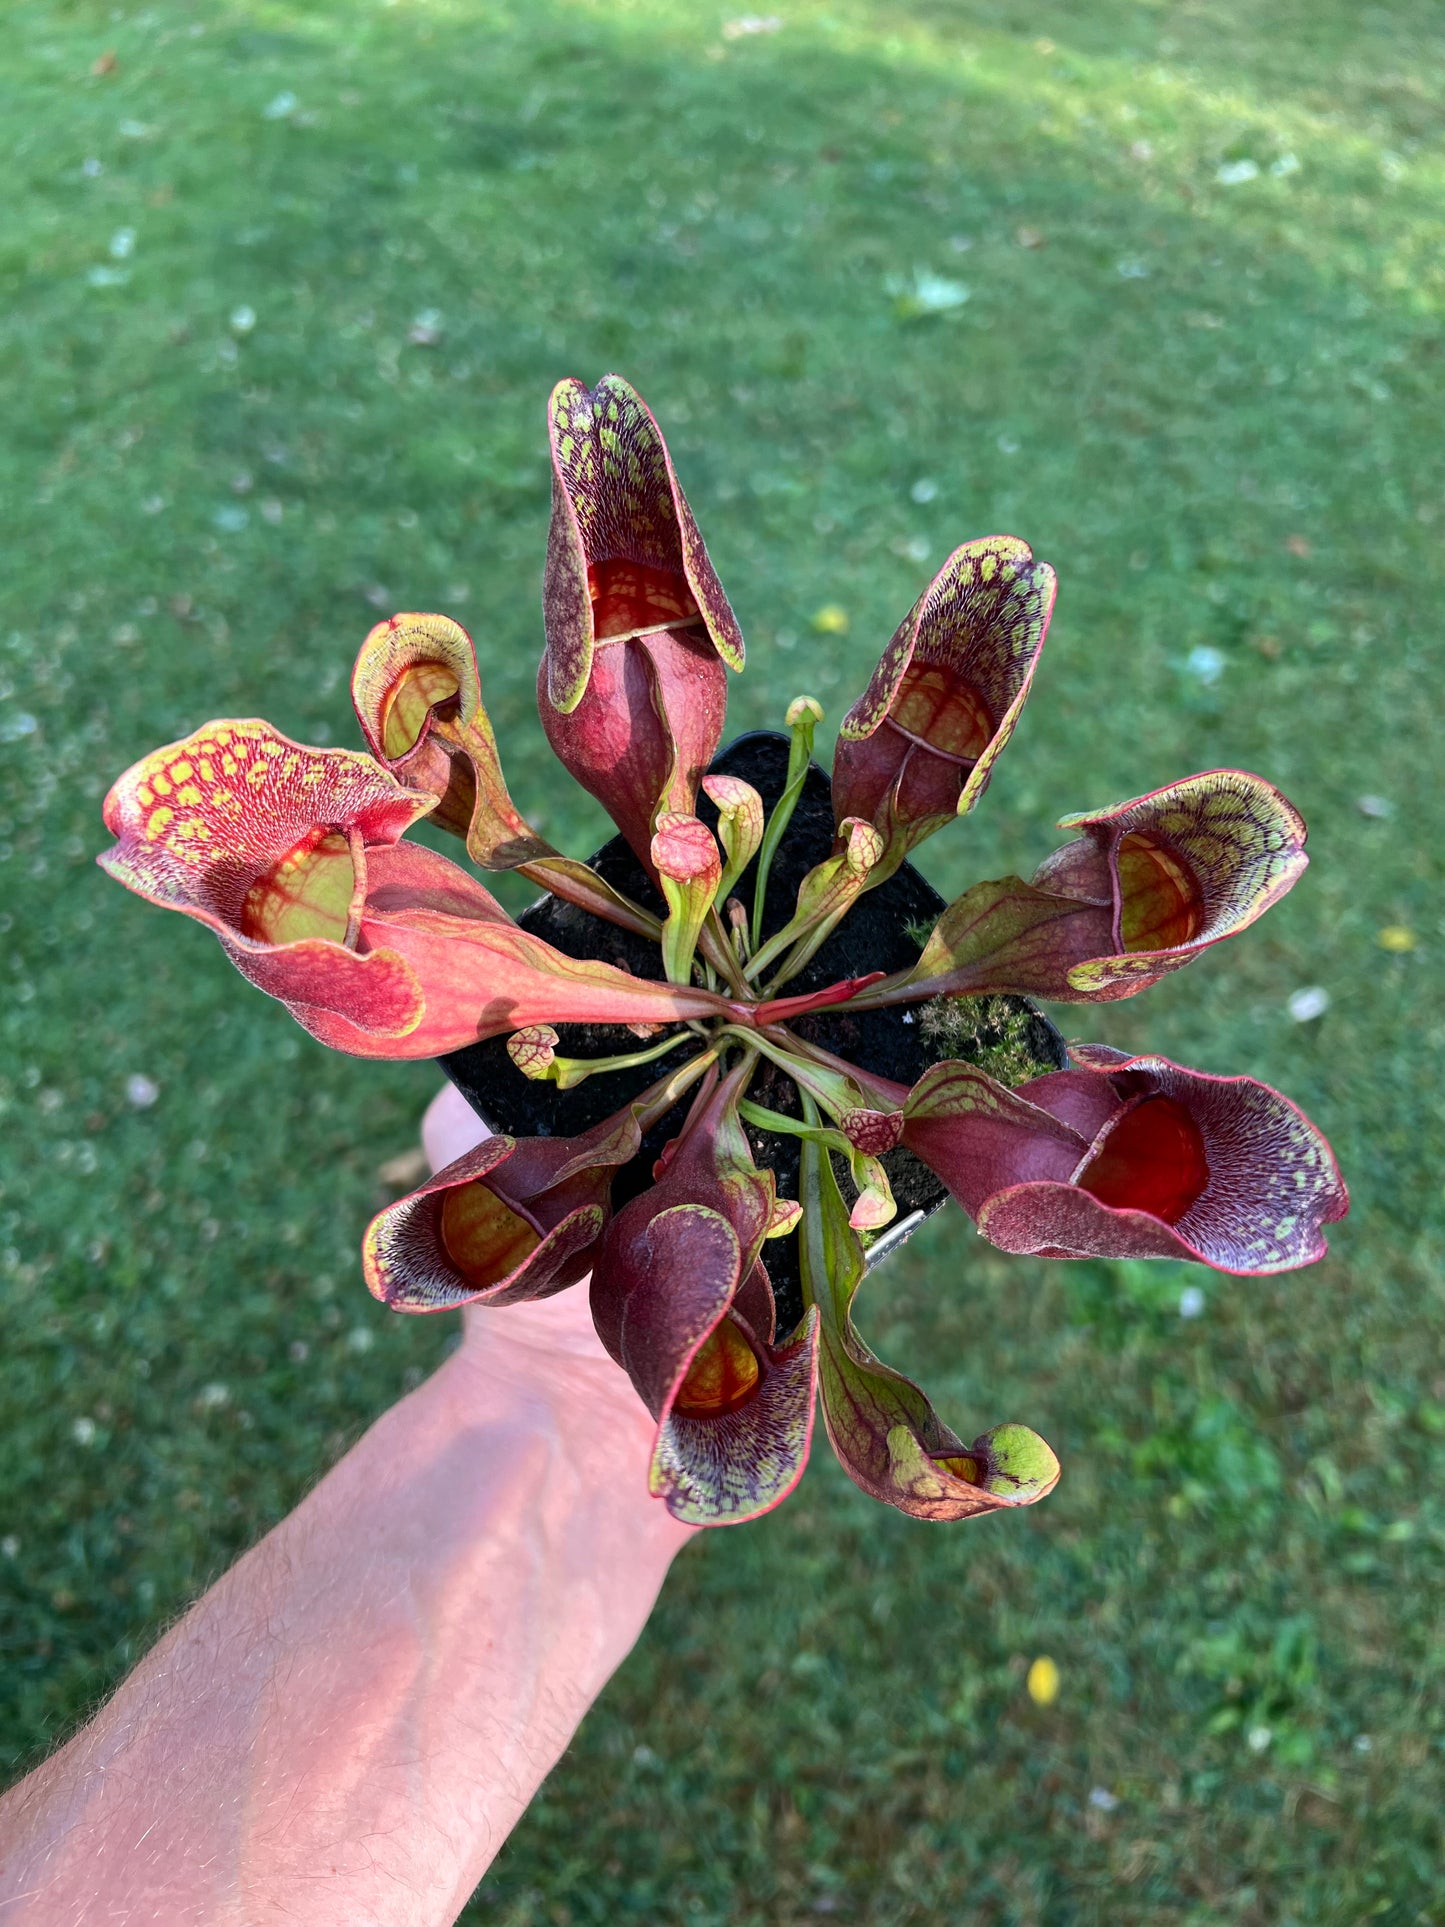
[[729, 1061]]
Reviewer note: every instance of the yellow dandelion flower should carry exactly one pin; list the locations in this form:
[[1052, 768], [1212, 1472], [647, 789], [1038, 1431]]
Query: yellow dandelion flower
[[1043, 1681]]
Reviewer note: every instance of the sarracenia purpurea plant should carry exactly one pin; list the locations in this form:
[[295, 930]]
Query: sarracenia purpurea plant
[[297, 859]]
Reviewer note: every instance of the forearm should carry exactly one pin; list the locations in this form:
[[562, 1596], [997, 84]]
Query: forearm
[[349, 1723]]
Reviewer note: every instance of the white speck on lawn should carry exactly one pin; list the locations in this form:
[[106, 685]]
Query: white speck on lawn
[[1307, 1004], [1205, 663], [750, 23], [141, 1091]]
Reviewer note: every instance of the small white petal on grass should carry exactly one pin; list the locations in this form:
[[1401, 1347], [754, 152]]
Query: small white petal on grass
[[924, 293], [360, 1340], [1375, 806], [1236, 173], [917, 548], [1286, 165], [10, 1546], [1392, 166], [103, 277], [1205, 663], [298, 1351], [924, 489], [91, 168], [212, 1397], [1307, 1004], [153, 505], [141, 1091], [272, 512], [232, 518], [1141, 150], [378, 595], [426, 328], [122, 243], [1362, 1742], [280, 106], [1258, 1738], [1103, 1799], [83, 1431], [1191, 1302], [750, 23], [1131, 270], [1009, 445], [243, 319], [134, 130], [960, 243], [17, 724]]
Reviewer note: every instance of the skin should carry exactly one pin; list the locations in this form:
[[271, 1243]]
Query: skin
[[347, 1726]]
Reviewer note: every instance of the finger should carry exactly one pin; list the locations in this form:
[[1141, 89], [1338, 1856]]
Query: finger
[[450, 1127]]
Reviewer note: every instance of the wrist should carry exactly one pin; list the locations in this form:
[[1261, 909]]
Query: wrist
[[541, 1368]]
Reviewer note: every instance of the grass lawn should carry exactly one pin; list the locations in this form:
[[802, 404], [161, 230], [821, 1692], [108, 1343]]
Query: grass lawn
[[285, 287]]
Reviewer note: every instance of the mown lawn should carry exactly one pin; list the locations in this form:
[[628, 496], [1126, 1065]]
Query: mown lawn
[[284, 289]]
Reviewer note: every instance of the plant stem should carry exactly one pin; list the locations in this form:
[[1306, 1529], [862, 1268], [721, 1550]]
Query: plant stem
[[798, 1047], [803, 1074], [717, 950], [659, 1099], [568, 1072], [574, 883], [804, 715], [766, 1120]]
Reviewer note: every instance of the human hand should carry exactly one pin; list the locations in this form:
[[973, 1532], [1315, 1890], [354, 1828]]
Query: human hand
[[549, 1349]]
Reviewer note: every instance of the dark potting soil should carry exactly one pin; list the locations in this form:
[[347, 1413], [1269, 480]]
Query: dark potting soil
[[875, 935]]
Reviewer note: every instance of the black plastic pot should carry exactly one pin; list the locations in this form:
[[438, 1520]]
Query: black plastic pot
[[894, 1043]]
